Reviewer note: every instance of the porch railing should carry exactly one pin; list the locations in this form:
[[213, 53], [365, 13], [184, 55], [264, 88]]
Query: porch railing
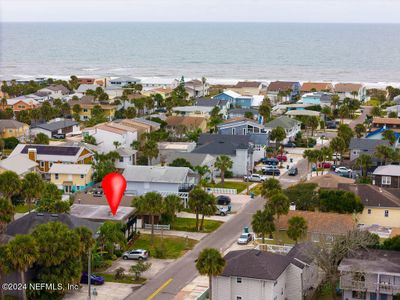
[[158, 226]]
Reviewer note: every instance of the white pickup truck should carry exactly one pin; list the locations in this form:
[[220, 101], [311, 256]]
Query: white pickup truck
[[255, 178]]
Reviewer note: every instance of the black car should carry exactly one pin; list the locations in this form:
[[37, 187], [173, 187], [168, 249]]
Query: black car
[[293, 171], [330, 124], [269, 161], [289, 145], [223, 200], [94, 279], [58, 136], [274, 172]]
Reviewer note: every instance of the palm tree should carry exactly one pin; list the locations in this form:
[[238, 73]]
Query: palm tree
[[116, 144], [376, 111], [360, 130], [4, 266], [344, 112], [4, 103], [335, 101], [384, 153], [354, 94], [22, 253], [32, 186], [327, 153], [338, 145], [172, 204], [297, 228], [150, 150], [363, 162], [201, 171], [198, 198], [110, 234], [270, 187], [279, 204], [223, 163], [278, 134], [10, 184], [313, 123], [389, 136], [150, 204], [210, 263], [265, 110], [311, 157], [263, 223], [6, 214], [208, 208]]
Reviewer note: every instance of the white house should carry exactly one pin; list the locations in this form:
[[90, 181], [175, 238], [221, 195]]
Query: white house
[[351, 90], [127, 158], [254, 274], [108, 134], [19, 164], [55, 91], [164, 180], [291, 126], [123, 81]]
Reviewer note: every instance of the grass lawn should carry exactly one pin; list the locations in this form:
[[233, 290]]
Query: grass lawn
[[23, 208], [127, 279], [257, 189], [373, 102], [174, 246], [279, 238], [188, 224], [239, 186]]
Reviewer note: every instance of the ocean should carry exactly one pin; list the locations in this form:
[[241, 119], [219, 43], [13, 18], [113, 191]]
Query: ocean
[[269, 51]]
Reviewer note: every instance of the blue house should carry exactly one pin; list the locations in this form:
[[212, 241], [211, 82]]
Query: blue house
[[378, 135], [238, 100], [229, 96], [316, 98]]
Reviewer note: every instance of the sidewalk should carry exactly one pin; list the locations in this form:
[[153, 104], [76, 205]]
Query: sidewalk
[[107, 291]]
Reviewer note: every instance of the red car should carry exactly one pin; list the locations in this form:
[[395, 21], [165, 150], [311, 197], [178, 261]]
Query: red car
[[281, 158], [325, 165]]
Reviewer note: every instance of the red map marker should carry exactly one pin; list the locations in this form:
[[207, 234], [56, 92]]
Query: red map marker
[[114, 185]]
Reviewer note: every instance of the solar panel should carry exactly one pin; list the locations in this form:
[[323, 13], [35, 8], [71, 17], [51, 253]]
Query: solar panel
[[52, 150]]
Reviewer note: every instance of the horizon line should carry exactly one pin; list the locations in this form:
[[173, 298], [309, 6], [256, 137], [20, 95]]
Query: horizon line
[[205, 22]]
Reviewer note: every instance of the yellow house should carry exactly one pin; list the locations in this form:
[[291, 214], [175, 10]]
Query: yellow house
[[87, 103], [380, 206], [12, 128], [165, 92], [71, 177]]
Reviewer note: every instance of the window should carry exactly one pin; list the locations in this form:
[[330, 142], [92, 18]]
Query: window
[[239, 298], [369, 211], [56, 176], [386, 213], [41, 164], [359, 295], [233, 131], [238, 280], [121, 159], [85, 110], [387, 180], [82, 176]]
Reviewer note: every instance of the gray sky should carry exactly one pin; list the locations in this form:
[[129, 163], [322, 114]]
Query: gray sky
[[359, 11]]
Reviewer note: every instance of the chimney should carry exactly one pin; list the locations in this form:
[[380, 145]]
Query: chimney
[[32, 154]]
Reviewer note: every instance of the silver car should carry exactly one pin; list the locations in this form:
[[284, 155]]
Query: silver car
[[138, 254]]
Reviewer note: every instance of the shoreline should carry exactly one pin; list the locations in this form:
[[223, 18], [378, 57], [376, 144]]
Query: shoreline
[[210, 80]]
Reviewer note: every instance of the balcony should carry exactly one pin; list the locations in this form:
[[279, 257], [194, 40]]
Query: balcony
[[369, 286]]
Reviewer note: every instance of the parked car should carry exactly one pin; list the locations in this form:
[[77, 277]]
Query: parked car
[[281, 158], [269, 161], [330, 124], [138, 254], [271, 170], [293, 171], [97, 193], [223, 200], [343, 170], [94, 279], [325, 165], [289, 145], [58, 136], [254, 178], [245, 238], [222, 210]]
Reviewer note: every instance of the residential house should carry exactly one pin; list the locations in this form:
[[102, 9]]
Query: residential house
[[387, 176], [281, 91], [165, 92], [123, 81], [71, 177], [157, 82], [320, 225], [164, 180], [360, 146], [291, 126], [248, 87], [91, 80], [351, 90], [196, 89], [203, 111], [254, 274], [83, 88], [242, 112], [394, 108], [303, 112], [13, 128], [181, 124], [243, 126], [227, 95], [308, 87], [388, 123], [20, 103], [19, 164], [316, 98], [381, 207], [57, 126], [127, 157], [87, 103], [166, 148], [238, 147], [223, 105], [55, 91], [46, 155], [110, 136], [330, 181], [370, 274], [25, 225], [140, 124], [377, 134]]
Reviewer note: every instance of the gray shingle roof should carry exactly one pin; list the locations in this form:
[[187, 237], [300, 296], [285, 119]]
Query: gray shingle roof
[[5, 124], [283, 121], [28, 222], [221, 144], [389, 170], [243, 111], [210, 102], [54, 126], [366, 144], [195, 159]]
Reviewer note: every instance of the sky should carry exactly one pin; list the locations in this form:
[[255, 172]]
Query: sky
[[307, 11]]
